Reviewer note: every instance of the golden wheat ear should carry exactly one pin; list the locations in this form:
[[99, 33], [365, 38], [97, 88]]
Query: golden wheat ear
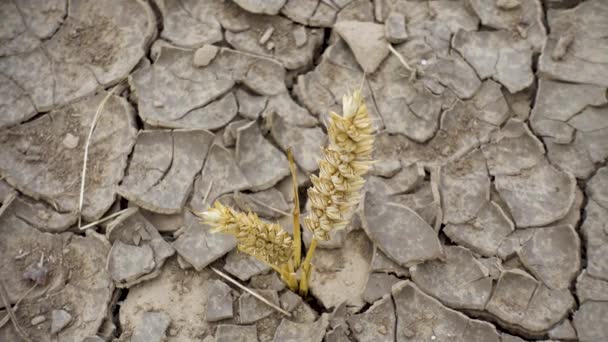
[[267, 242], [336, 191]]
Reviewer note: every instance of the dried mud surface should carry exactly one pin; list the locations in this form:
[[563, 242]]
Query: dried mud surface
[[484, 217]]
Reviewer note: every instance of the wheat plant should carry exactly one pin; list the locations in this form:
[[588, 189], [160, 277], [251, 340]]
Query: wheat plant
[[336, 191]]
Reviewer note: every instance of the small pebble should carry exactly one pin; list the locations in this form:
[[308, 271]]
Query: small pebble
[[408, 332], [395, 29], [299, 35], [508, 4], [38, 319], [382, 330], [563, 43], [59, 320], [267, 34], [93, 339], [70, 141], [136, 239], [204, 55]]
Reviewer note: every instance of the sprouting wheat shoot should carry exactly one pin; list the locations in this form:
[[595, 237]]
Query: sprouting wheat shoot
[[265, 241], [336, 191]]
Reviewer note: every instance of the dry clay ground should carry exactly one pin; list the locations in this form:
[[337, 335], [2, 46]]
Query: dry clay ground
[[485, 217]]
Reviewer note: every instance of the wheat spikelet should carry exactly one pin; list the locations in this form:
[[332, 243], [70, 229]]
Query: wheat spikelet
[[336, 191], [267, 242]]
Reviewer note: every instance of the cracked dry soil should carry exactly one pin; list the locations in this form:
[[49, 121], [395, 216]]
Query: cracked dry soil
[[485, 215]]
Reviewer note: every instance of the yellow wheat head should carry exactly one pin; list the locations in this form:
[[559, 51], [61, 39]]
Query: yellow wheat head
[[336, 191], [265, 241]]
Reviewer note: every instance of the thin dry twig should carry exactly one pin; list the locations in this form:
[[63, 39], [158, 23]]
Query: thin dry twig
[[86, 151], [262, 299], [12, 194], [11, 314], [16, 306], [102, 220], [413, 71], [7, 318], [207, 192], [257, 201]]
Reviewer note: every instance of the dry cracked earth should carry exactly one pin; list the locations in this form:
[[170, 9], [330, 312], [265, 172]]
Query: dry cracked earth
[[484, 219]]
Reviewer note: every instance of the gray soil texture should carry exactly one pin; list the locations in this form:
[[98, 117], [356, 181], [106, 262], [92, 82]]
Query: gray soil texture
[[484, 217]]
